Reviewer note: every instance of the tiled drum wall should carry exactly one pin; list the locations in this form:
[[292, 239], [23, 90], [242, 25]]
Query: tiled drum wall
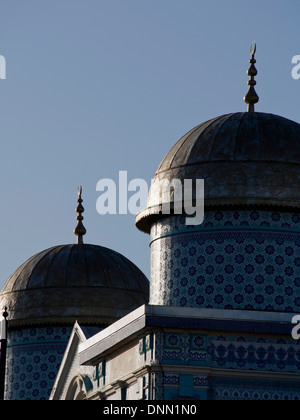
[[33, 360], [234, 260]]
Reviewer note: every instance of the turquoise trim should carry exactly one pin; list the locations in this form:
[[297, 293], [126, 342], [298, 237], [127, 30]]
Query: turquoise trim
[[186, 385], [227, 228]]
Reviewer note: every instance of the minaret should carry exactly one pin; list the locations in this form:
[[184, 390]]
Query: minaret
[[251, 98]]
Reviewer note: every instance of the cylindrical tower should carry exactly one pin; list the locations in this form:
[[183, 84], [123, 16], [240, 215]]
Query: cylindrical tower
[[245, 255]]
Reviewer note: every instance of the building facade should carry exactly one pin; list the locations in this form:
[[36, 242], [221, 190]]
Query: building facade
[[223, 294], [160, 353]]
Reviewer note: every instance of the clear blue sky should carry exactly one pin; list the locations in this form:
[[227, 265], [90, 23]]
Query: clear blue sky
[[98, 86]]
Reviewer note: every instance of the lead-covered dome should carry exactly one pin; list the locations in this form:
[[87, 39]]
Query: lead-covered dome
[[88, 283], [247, 158]]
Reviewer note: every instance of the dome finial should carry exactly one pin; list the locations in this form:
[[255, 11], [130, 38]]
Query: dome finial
[[251, 97], [80, 230]]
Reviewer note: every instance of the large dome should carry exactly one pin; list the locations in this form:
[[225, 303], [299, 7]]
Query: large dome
[[245, 159], [88, 283]]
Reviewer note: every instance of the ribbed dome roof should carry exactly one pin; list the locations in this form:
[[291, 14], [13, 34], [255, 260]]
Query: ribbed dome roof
[[88, 283], [244, 158]]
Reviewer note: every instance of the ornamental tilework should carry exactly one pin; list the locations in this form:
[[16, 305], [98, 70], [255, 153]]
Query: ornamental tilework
[[232, 352], [185, 349], [173, 396], [256, 394], [235, 260], [171, 386], [244, 389], [257, 354], [173, 379], [289, 222], [226, 353], [33, 360], [158, 387]]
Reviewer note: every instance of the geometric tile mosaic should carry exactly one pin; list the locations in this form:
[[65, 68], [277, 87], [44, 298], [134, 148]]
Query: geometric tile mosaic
[[222, 354], [258, 390], [33, 359], [230, 352], [234, 260]]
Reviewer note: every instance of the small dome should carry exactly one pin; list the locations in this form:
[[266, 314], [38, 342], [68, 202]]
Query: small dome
[[88, 283], [245, 159]]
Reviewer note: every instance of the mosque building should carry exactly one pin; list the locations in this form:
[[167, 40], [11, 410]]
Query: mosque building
[[218, 321]]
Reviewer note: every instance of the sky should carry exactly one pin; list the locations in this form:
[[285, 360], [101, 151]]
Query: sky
[[95, 87]]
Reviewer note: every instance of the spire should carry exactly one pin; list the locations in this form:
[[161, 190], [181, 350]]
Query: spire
[[251, 97], [80, 230], [3, 327], [3, 352]]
